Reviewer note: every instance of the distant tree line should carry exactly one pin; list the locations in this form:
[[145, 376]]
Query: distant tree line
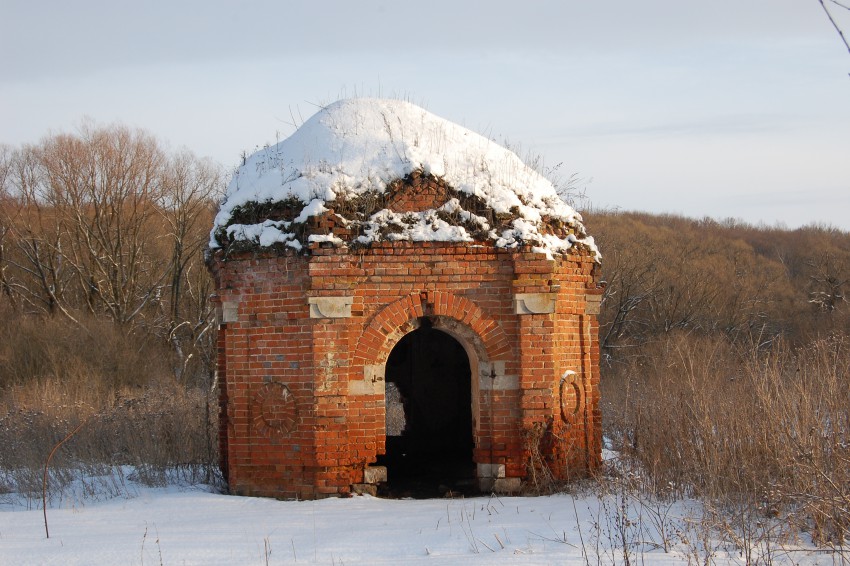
[[668, 273]]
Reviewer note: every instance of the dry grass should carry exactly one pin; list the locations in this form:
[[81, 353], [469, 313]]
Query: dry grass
[[56, 375], [762, 432]]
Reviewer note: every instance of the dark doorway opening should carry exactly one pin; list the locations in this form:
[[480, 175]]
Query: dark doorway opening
[[429, 417]]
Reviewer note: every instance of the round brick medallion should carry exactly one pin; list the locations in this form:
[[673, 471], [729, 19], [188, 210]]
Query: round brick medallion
[[276, 412], [570, 394]]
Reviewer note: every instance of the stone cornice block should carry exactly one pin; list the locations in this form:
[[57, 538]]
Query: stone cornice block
[[330, 307], [593, 304], [534, 303]]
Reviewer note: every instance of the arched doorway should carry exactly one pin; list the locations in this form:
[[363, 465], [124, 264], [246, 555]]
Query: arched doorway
[[429, 416]]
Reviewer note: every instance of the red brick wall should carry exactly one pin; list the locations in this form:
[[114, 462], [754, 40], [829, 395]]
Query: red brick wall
[[332, 367]]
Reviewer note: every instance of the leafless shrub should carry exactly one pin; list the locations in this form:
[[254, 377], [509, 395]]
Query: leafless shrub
[[541, 480]]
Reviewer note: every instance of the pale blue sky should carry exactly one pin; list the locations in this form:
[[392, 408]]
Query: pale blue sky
[[727, 108]]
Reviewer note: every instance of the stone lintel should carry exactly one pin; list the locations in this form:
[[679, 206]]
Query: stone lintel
[[330, 307], [534, 303]]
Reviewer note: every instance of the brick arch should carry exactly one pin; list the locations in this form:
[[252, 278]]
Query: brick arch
[[400, 317]]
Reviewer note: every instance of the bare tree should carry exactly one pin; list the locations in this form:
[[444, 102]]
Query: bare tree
[[105, 222], [828, 280], [191, 187], [5, 170], [34, 235], [103, 185]]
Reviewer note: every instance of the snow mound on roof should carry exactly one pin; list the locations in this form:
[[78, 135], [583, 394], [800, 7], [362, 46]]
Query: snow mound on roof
[[358, 146]]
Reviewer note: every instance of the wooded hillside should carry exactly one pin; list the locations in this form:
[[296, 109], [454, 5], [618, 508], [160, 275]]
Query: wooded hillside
[[667, 273]]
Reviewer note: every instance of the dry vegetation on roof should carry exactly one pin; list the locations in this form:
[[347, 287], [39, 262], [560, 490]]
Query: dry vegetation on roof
[[355, 214]]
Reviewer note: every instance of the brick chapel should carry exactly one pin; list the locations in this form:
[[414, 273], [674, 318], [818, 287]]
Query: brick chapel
[[401, 299]]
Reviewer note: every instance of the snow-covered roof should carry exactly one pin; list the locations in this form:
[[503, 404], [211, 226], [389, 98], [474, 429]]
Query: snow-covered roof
[[356, 148]]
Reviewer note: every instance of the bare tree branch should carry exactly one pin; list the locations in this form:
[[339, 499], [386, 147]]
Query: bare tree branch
[[834, 23]]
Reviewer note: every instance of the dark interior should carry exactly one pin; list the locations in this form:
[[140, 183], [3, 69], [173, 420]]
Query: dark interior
[[429, 451]]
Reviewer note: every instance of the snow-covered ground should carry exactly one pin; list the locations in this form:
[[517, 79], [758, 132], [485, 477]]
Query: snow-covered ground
[[191, 525]]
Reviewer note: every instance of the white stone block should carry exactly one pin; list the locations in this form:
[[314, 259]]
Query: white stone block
[[330, 307], [534, 303], [374, 474]]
